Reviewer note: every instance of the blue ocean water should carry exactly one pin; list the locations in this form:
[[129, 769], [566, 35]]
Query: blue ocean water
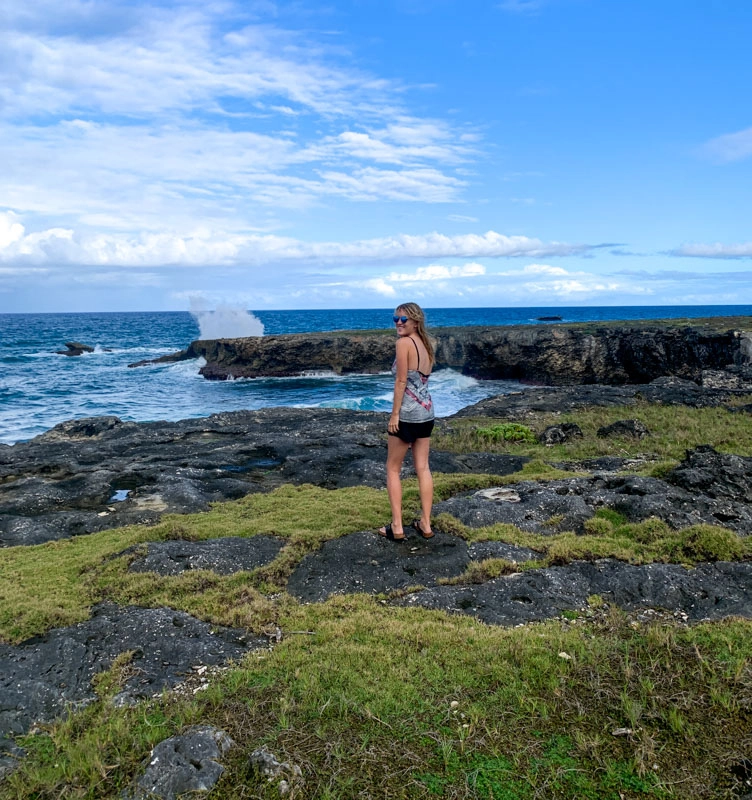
[[38, 388]]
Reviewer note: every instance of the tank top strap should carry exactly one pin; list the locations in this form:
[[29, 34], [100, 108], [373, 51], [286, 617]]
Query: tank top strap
[[417, 352]]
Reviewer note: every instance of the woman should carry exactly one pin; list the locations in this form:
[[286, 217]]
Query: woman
[[411, 422]]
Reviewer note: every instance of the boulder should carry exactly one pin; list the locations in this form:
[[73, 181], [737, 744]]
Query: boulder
[[44, 676], [718, 475], [632, 428], [75, 349], [558, 434], [181, 764]]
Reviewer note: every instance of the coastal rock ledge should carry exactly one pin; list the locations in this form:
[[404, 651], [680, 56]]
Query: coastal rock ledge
[[606, 353]]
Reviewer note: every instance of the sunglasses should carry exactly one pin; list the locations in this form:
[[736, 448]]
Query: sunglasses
[[403, 320]]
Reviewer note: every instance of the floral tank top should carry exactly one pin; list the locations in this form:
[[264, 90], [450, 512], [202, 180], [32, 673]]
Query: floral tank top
[[417, 405]]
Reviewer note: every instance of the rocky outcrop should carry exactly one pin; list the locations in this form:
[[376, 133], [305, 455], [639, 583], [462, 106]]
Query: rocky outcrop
[[708, 591], [225, 556], [667, 391], [43, 677], [608, 353], [91, 474], [75, 349], [367, 563], [707, 487], [181, 765]]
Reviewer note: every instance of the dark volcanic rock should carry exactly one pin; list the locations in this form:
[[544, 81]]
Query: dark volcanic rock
[[632, 428], [224, 556], [669, 391], [92, 474], [368, 563], [733, 377], [717, 475], [181, 764], [558, 434], [555, 506], [75, 349], [616, 352], [709, 591], [604, 464], [479, 551], [42, 677], [543, 508]]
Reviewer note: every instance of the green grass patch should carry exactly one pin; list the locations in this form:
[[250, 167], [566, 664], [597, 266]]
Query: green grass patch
[[673, 430], [608, 535], [55, 584], [407, 703], [505, 432]]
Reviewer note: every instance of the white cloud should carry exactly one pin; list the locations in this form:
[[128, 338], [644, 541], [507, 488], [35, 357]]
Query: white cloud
[[10, 230], [409, 141], [378, 285], [176, 58], [206, 247], [544, 269], [427, 185], [437, 272], [138, 118], [536, 284], [731, 146], [716, 250]]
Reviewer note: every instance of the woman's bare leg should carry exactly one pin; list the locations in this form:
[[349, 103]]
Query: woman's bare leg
[[425, 481], [395, 455]]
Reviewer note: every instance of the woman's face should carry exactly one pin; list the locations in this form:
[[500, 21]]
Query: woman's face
[[404, 328]]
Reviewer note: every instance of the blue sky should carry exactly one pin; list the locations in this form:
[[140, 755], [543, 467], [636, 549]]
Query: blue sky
[[362, 153]]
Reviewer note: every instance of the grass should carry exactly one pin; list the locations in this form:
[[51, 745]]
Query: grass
[[608, 535], [403, 703], [380, 701], [672, 432], [56, 583]]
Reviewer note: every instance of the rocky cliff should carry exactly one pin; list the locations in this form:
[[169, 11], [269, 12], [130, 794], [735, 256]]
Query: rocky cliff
[[608, 353]]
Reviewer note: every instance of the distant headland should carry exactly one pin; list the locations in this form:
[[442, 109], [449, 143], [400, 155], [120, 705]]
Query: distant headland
[[580, 353]]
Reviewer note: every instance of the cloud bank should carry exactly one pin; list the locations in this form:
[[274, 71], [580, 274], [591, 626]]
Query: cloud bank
[[716, 250], [59, 246]]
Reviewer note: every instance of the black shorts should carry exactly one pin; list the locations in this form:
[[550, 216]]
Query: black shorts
[[410, 431]]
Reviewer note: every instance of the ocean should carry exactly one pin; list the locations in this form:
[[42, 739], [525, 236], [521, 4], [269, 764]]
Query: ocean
[[39, 389]]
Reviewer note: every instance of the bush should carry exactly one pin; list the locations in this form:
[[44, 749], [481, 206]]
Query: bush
[[708, 543], [506, 432], [647, 531], [597, 526]]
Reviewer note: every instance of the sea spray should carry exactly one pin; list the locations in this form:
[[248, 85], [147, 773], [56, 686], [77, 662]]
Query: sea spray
[[225, 321]]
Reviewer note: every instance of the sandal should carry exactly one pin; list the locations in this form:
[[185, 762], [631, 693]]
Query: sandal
[[388, 533], [424, 534]]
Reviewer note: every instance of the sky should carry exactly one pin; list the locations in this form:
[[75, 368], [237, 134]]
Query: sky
[[362, 153]]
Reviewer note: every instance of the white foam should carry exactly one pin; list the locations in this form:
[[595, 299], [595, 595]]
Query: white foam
[[225, 321], [451, 379]]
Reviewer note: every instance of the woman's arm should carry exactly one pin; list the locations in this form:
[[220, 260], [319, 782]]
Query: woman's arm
[[400, 382]]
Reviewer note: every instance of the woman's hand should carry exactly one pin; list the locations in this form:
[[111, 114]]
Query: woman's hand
[[393, 425]]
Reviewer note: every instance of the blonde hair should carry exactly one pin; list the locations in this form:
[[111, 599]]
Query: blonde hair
[[415, 313]]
